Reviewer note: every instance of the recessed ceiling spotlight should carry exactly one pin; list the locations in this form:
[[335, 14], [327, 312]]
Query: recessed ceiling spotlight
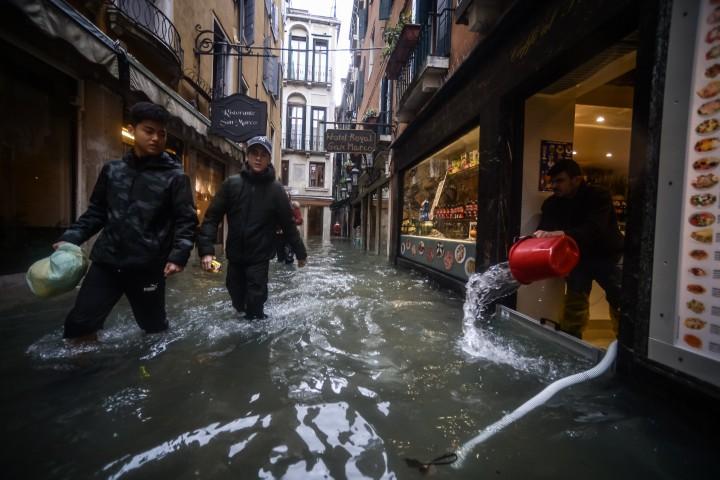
[[574, 152], [600, 119], [608, 155]]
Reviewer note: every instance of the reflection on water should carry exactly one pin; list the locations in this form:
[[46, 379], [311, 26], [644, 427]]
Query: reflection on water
[[357, 367]]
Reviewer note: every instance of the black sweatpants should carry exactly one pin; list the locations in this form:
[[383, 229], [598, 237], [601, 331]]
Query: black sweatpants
[[248, 289], [102, 288]]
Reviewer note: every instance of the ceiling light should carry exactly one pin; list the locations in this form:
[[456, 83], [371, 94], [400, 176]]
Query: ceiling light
[[608, 155], [600, 119], [574, 152]]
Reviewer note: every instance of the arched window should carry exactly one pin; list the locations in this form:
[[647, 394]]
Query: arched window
[[295, 139], [298, 56]]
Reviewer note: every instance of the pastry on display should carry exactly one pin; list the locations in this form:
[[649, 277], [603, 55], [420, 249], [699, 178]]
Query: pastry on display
[[710, 90], [713, 35], [707, 126], [697, 271], [707, 163], [714, 52], [707, 180], [714, 16], [701, 219], [694, 323], [709, 108], [702, 200], [699, 254], [707, 144], [702, 236], [696, 306], [713, 70], [696, 289], [693, 341]]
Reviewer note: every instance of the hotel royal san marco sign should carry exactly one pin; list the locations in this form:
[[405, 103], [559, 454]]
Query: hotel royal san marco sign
[[238, 117], [350, 141]]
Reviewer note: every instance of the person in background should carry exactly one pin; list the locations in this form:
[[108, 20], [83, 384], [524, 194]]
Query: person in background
[[144, 206], [255, 205], [285, 252], [585, 213]]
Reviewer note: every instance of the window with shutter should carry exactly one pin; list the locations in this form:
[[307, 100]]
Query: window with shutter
[[267, 64], [385, 8], [249, 23], [363, 22]]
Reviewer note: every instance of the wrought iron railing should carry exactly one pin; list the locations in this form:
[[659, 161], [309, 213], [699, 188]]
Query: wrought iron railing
[[316, 75], [434, 41], [310, 143], [148, 17]]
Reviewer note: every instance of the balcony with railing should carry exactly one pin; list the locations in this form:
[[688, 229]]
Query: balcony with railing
[[149, 34], [305, 143], [298, 73], [422, 74]]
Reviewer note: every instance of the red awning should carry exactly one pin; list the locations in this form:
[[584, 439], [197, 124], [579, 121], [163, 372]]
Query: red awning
[[406, 43]]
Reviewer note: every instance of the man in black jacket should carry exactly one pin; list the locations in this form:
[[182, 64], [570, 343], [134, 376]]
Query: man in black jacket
[[144, 206], [585, 213], [255, 205]]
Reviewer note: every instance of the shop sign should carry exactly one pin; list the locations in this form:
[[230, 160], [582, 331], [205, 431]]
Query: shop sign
[[238, 117], [350, 141], [550, 153]]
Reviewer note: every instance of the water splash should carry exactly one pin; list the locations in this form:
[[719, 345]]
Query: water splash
[[481, 291]]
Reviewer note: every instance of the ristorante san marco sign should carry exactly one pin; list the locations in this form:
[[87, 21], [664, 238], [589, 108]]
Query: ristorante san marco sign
[[350, 141], [238, 117]]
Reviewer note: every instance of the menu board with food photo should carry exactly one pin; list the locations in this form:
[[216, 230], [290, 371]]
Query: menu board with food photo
[[698, 306]]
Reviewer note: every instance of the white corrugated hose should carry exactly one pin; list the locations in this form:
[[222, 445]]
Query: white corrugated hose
[[536, 401]]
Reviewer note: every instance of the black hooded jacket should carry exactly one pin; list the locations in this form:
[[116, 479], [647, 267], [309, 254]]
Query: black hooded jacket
[[145, 209], [255, 205], [589, 218]]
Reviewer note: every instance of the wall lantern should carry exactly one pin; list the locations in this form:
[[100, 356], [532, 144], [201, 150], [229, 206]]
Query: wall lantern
[[355, 173], [343, 193]]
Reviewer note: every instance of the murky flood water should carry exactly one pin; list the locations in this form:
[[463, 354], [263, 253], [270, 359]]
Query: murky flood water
[[357, 367]]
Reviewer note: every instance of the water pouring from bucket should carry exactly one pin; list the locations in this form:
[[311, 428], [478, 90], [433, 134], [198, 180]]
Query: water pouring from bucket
[[530, 259]]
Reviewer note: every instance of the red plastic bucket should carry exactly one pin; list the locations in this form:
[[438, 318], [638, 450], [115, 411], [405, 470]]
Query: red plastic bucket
[[533, 259]]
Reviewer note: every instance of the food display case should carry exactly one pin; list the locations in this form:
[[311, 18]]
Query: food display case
[[440, 209]]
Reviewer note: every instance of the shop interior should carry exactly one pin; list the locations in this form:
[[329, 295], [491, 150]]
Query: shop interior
[[440, 193], [585, 115]]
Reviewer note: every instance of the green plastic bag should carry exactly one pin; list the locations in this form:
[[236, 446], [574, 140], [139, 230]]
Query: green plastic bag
[[58, 273]]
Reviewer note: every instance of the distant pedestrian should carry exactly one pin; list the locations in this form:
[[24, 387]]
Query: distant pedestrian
[[143, 206], [255, 205], [285, 252]]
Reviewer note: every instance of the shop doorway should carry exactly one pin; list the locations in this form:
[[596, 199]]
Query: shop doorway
[[585, 116], [209, 176], [315, 221], [37, 160]]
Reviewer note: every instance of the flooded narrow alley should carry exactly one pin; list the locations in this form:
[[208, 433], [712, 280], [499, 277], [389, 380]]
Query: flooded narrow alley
[[358, 367]]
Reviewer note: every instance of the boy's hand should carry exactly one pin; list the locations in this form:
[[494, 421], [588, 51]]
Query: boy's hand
[[206, 262], [172, 268], [301, 263]]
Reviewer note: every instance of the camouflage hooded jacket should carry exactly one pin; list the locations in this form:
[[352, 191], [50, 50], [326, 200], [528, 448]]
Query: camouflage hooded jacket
[[145, 210]]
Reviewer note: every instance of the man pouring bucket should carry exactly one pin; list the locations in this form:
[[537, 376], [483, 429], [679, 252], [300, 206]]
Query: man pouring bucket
[[585, 214]]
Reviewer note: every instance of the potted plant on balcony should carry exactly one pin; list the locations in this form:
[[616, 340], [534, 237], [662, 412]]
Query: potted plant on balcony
[[371, 116], [392, 34]]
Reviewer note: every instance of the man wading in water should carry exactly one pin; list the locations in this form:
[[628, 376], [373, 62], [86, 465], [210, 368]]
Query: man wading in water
[[144, 206], [255, 204]]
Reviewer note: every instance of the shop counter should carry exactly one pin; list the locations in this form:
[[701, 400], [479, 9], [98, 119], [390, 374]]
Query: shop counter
[[447, 255]]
